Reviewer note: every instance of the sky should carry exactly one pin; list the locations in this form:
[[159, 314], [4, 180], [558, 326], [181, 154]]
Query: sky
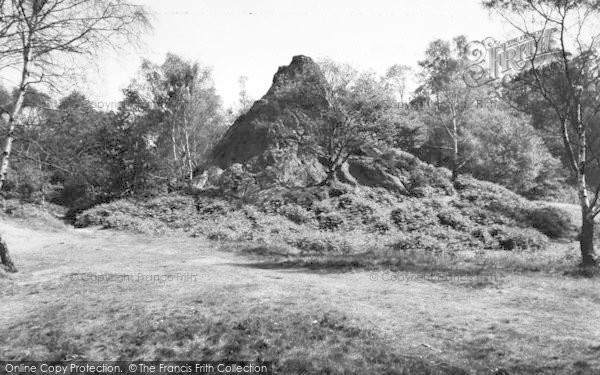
[[253, 38]]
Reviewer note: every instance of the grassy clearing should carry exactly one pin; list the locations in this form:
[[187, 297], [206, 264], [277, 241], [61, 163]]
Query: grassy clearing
[[306, 342], [306, 320]]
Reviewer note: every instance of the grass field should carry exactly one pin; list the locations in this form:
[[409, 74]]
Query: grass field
[[70, 301]]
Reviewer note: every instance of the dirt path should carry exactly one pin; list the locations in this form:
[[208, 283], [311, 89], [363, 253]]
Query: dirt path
[[516, 319]]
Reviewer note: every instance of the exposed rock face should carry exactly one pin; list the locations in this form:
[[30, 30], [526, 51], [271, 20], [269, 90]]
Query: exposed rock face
[[257, 152], [299, 87]]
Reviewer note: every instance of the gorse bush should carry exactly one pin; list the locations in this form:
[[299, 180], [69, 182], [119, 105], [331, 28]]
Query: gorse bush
[[323, 244], [296, 213], [518, 238], [414, 215], [480, 216], [331, 221], [552, 221]]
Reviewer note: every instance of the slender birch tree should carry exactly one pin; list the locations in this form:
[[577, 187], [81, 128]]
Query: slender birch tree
[[567, 84]]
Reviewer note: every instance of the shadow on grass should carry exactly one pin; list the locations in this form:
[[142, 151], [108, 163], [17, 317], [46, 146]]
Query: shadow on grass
[[483, 265], [266, 257], [305, 341]]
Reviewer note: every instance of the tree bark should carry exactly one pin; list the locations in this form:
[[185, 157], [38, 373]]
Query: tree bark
[[454, 149], [190, 165], [586, 242], [5, 259], [173, 142], [12, 120]]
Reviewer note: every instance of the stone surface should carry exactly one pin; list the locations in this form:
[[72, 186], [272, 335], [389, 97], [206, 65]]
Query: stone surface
[[258, 151], [298, 88]]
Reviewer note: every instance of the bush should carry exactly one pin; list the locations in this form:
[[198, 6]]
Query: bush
[[453, 218], [296, 213], [419, 241], [518, 238], [322, 244], [552, 221], [171, 202], [305, 197], [379, 226], [216, 208], [356, 209], [345, 202], [322, 207], [337, 192], [140, 225], [331, 221], [483, 235], [413, 216]]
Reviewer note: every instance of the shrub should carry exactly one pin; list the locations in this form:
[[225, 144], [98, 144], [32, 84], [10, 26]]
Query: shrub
[[453, 218], [171, 202], [296, 213], [345, 202], [419, 241], [217, 209], [140, 225], [413, 215], [363, 211], [357, 209], [323, 244], [218, 235], [518, 238], [330, 221], [379, 226], [552, 221], [337, 192], [323, 207], [483, 235], [305, 197]]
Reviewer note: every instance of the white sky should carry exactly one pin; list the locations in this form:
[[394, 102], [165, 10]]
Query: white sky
[[254, 37]]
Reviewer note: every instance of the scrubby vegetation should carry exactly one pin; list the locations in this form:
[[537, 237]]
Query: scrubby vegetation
[[343, 220]]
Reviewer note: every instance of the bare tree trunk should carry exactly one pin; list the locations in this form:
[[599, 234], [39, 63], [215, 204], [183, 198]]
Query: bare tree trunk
[[13, 116], [173, 142], [455, 165], [586, 241], [189, 156], [5, 257]]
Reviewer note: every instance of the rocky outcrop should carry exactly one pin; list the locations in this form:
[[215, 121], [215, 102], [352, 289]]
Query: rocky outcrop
[[259, 150], [298, 94]]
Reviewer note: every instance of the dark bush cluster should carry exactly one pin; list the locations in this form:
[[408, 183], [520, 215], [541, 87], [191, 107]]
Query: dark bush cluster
[[413, 215], [552, 221], [331, 221], [296, 213]]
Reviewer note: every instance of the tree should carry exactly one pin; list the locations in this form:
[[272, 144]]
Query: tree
[[501, 146], [334, 128], [450, 97], [245, 101], [396, 77], [336, 136], [175, 104], [38, 37], [568, 86]]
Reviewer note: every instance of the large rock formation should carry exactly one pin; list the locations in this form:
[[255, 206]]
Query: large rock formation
[[258, 138], [258, 151]]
